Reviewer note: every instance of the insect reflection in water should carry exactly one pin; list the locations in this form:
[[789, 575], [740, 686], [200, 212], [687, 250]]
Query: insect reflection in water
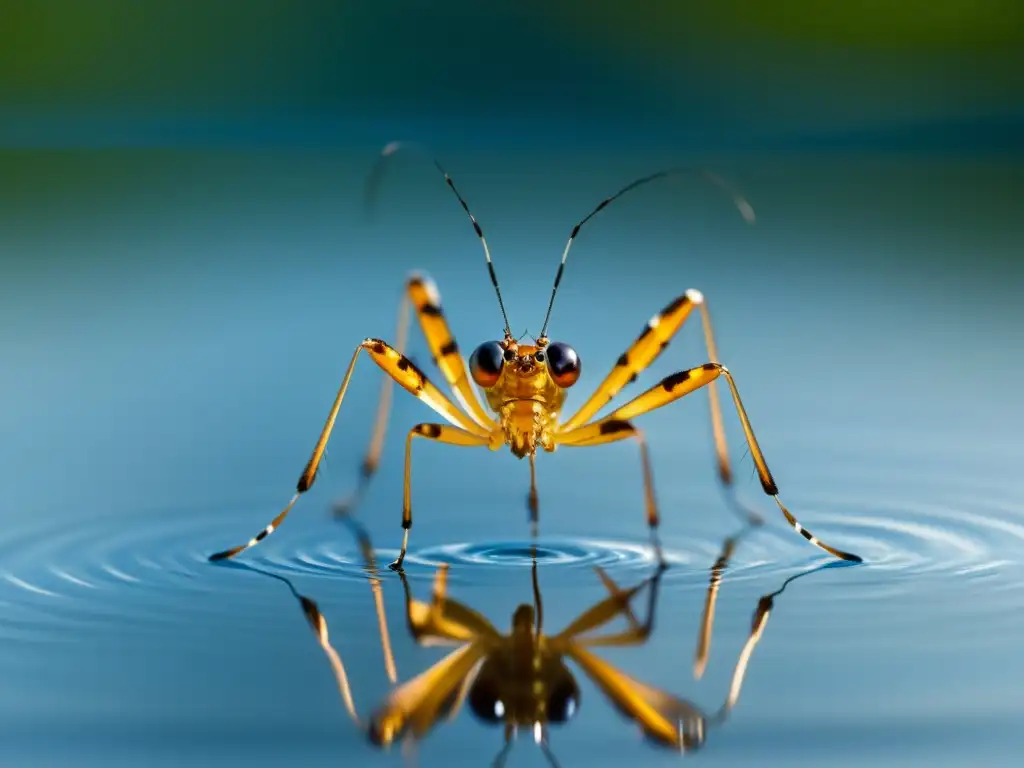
[[520, 678]]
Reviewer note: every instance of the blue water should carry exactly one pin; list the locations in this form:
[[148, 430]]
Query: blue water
[[174, 329]]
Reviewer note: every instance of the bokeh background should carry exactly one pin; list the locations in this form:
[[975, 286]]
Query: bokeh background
[[185, 266]]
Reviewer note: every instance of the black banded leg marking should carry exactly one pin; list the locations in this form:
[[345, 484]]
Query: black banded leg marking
[[682, 383], [308, 476], [414, 381], [411, 378], [645, 349], [723, 464], [707, 622], [757, 626], [444, 349], [422, 294], [318, 624], [371, 461], [768, 482], [441, 433]]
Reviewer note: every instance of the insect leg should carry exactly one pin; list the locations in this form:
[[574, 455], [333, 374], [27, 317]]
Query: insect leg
[[444, 621], [370, 563], [637, 632], [681, 383], [421, 292], [443, 348], [532, 501], [601, 613], [651, 342], [318, 624], [411, 378], [707, 622], [616, 591], [757, 625], [610, 431], [440, 433], [380, 424]]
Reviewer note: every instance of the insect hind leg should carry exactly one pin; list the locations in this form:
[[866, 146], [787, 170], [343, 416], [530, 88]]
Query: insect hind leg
[[678, 385]]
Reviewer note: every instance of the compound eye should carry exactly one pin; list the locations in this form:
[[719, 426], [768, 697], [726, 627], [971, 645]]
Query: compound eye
[[486, 362], [563, 702], [485, 702], [563, 364]]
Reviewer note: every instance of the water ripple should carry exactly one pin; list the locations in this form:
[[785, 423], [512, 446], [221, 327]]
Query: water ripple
[[154, 572]]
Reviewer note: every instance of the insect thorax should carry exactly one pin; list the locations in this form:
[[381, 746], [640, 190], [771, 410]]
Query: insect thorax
[[527, 425]]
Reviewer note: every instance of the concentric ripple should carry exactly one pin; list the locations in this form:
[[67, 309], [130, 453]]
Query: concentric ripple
[[480, 562], [475, 561], [153, 571]]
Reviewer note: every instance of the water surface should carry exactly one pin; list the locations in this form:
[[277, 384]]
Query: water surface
[[175, 326]]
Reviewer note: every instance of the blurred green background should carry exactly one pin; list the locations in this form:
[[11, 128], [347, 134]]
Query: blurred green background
[[186, 267], [737, 74]]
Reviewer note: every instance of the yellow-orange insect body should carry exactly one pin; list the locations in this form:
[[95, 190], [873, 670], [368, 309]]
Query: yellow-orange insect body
[[525, 386], [526, 400]]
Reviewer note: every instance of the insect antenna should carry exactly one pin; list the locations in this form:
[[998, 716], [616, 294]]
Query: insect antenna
[[744, 207], [373, 183]]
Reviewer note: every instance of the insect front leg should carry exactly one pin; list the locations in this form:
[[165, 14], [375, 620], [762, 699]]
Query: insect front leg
[[422, 295], [308, 476], [401, 369]]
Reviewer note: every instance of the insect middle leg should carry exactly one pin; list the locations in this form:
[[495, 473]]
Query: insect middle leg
[[440, 433], [532, 501], [611, 431], [422, 294], [411, 378], [681, 383]]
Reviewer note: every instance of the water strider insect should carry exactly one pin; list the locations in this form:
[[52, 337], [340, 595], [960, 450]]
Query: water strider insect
[[525, 387], [520, 679]]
